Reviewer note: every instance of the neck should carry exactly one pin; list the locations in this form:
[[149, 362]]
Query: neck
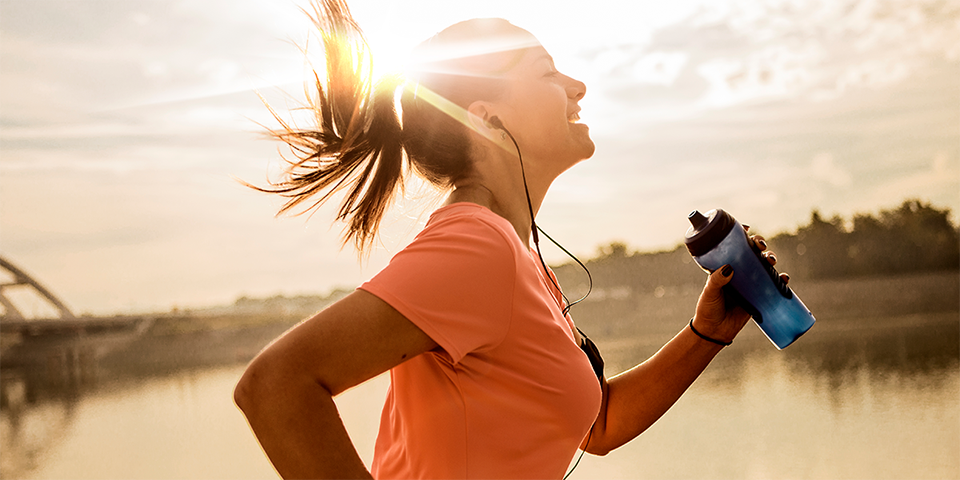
[[497, 182], [509, 201]]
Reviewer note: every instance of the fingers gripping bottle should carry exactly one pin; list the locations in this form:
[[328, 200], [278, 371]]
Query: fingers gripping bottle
[[717, 239]]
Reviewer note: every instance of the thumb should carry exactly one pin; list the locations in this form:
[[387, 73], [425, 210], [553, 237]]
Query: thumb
[[712, 303], [717, 280], [722, 276]]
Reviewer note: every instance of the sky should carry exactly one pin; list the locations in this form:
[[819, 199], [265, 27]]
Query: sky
[[125, 124]]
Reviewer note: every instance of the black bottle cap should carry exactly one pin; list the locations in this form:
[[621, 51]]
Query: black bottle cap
[[707, 231]]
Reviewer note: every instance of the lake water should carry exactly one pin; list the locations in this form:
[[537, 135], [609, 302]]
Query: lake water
[[864, 405]]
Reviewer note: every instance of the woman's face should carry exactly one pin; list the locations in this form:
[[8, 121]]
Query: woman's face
[[541, 109], [499, 64]]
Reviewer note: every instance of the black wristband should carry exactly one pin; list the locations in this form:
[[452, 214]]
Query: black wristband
[[711, 340]]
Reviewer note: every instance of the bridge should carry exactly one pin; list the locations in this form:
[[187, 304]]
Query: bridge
[[62, 342]]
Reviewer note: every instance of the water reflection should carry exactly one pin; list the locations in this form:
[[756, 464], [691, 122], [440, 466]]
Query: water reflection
[[921, 356], [173, 426], [29, 428], [782, 421], [844, 402], [847, 402]]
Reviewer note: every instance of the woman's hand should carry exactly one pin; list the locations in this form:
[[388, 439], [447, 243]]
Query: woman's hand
[[714, 318], [635, 399]]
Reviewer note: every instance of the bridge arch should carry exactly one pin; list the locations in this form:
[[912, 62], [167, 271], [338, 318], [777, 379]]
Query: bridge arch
[[21, 278]]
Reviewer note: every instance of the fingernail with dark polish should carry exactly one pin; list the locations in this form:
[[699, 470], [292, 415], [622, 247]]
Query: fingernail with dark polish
[[727, 270], [762, 243]]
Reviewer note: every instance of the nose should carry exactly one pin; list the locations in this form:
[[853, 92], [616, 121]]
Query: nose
[[575, 88]]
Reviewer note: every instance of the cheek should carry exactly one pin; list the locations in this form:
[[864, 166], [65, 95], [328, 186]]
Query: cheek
[[539, 112], [551, 112]]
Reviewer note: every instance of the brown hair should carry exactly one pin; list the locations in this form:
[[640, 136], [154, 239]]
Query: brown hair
[[357, 144]]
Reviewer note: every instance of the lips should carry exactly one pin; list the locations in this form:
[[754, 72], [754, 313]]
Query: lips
[[574, 117]]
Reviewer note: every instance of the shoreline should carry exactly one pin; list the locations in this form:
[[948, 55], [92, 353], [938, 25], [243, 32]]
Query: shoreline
[[920, 325]]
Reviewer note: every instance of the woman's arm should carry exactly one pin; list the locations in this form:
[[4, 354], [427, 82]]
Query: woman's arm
[[287, 391], [635, 399]]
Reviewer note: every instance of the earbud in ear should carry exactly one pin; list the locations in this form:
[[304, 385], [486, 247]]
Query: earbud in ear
[[496, 123]]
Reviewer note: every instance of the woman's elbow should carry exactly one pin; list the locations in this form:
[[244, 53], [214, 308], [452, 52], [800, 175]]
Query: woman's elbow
[[266, 377], [598, 450], [602, 442], [271, 380], [244, 394]]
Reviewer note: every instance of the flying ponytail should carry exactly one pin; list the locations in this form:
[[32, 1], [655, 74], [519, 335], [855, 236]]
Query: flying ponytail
[[355, 145]]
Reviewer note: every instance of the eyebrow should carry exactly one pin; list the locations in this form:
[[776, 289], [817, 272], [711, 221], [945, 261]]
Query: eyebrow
[[546, 56]]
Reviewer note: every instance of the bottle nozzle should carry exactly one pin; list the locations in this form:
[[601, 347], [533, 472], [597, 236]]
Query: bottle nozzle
[[697, 220]]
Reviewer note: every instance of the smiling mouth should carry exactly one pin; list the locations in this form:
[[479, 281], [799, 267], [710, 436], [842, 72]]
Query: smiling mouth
[[573, 118]]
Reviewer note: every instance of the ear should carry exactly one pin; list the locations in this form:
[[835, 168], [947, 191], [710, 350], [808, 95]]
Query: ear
[[479, 114]]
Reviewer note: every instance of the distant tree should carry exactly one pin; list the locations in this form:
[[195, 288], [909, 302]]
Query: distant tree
[[613, 250], [865, 251], [818, 242], [921, 238]]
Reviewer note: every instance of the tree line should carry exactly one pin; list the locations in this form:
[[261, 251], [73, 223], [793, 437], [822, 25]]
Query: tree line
[[914, 237]]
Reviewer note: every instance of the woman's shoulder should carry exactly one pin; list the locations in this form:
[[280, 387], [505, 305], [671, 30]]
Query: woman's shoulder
[[462, 210], [473, 222]]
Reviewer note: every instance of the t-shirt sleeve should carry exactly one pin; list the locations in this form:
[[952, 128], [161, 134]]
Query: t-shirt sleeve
[[455, 282]]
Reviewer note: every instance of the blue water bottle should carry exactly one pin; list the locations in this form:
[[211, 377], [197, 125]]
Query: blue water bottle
[[718, 239]]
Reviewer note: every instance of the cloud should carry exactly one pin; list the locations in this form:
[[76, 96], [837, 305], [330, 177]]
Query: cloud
[[750, 51], [659, 68], [824, 168], [942, 172]]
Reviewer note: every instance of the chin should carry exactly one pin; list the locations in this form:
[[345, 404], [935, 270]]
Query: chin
[[583, 153], [590, 151], [587, 149], [585, 146]]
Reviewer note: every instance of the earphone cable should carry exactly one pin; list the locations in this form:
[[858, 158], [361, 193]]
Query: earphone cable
[[536, 240], [584, 267]]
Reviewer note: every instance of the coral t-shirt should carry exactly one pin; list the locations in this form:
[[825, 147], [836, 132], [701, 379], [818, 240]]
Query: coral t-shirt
[[509, 393]]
